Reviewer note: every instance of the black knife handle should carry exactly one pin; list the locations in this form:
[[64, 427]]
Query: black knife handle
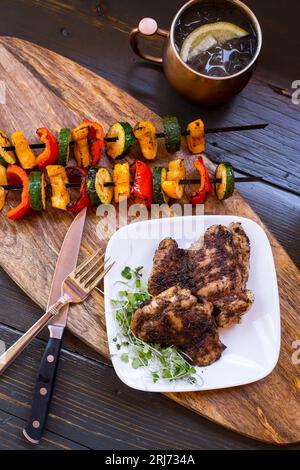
[[43, 391]]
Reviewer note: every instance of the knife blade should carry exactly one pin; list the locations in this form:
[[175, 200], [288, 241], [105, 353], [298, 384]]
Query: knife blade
[[66, 262]]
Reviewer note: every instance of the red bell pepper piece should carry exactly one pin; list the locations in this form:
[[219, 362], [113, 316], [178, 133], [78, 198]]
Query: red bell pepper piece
[[49, 156], [95, 133], [142, 186], [16, 175], [205, 183], [77, 174]]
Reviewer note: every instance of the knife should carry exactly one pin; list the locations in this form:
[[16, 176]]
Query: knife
[[66, 262]]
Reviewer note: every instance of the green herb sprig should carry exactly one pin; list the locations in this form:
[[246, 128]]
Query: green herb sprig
[[162, 362]]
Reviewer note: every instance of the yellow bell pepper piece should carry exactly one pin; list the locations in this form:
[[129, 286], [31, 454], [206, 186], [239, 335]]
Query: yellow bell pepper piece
[[24, 153], [176, 172], [3, 180], [8, 156], [121, 178], [60, 193], [196, 138], [172, 189], [145, 133], [81, 147]]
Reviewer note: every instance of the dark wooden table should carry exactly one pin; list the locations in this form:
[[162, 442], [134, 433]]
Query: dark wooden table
[[91, 408]]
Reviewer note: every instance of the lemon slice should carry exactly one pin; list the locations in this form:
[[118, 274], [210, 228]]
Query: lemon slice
[[209, 35]]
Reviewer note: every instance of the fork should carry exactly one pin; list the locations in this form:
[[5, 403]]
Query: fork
[[76, 287]]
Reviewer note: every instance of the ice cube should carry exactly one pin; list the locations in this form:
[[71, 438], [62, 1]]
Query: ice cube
[[206, 43]]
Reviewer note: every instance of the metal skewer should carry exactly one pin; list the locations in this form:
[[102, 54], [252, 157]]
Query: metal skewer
[[216, 130], [9, 148], [219, 130], [242, 179]]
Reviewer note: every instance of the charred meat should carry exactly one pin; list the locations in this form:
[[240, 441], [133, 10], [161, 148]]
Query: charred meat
[[207, 350], [195, 292], [170, 266], [216, 269], [175, 317]]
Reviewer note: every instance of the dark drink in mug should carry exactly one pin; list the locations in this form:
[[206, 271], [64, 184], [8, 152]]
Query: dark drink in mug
[[215, 39], [210, 51]]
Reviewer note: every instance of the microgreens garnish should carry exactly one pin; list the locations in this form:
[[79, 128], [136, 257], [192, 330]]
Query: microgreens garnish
[[163, 362]]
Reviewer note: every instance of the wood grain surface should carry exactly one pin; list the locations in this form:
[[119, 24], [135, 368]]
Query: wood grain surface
[[92, 409], [105, 30], [95, 34], [61, 93]]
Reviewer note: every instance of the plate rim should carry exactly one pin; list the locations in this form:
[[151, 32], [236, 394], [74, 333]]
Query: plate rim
[[193, 388]]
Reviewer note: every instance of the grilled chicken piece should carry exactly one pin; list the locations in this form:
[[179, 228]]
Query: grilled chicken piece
[[175, 317], [221, 271], [229, 296], [228, 310], [221, 266], [207, 350], [169, 267], [215, 268], [242, 248]]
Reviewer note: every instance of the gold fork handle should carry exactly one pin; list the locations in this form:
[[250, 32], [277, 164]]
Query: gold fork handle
[[12, 353]]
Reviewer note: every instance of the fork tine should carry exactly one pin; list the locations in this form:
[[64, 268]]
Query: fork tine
[[101, 276], [86, 262], [91, 268], [92, 272]]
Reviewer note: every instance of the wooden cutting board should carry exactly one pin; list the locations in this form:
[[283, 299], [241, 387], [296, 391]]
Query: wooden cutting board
[[45, 89]]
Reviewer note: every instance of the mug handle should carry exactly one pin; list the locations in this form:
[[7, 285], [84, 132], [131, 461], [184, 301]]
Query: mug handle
[[146, 27]]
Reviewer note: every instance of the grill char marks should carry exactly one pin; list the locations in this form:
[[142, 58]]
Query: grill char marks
[[207, 350], [242, 249], [237, 301], [175, 317], [229, 309], [215, 268], [170, 265], [197, 290]]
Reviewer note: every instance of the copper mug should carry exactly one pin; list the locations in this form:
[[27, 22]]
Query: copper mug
[[194, 85]]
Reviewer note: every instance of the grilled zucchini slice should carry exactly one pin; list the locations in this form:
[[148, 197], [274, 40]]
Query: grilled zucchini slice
[[224, 189], [64, 138], [125, 139], [172, 134], [90, 183], [37, 190], [159, 176], [105, 193]]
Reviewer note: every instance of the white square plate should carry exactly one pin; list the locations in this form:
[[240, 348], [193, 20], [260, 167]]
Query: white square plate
[[252, 346]]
